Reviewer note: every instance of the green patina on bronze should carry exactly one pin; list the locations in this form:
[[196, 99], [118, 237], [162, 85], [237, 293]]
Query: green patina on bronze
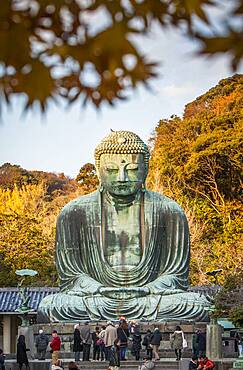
[[123, 249]]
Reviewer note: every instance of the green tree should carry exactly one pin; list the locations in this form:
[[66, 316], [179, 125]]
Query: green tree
[[87, 178], [49, 47], [11, 175], [55, 184], [197, 160], [229, 300]]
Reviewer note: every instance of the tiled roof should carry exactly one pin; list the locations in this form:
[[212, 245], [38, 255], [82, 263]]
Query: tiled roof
[[10, 299]]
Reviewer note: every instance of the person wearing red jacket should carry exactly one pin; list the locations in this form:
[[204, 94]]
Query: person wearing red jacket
[[205, 364], [55, 346]]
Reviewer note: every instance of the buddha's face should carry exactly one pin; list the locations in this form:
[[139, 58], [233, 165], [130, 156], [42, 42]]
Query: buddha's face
[[122, 174]]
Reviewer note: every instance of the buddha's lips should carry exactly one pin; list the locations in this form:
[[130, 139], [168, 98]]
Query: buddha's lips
[[123, 185]]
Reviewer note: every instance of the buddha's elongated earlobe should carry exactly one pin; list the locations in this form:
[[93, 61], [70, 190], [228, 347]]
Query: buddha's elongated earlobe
[[101, 188]]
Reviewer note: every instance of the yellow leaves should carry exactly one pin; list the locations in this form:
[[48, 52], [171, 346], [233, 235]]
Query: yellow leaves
[[26, 236], [19, 201], [27, 231]]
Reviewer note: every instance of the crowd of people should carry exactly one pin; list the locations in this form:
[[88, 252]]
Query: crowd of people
[[110, 343]]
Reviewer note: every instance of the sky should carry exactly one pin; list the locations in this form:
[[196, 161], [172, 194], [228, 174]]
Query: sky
[[64, 139]]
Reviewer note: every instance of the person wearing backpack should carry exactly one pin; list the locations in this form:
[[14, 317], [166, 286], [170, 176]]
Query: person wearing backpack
[[147, 344], [101, 343], [155, 342], [41, 344], [122, 334]]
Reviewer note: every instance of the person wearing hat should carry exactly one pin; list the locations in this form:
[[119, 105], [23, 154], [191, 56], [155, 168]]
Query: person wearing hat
[[109, 338], [41, 344]]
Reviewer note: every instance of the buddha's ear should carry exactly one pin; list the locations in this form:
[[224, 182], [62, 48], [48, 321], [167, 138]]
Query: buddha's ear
[[97, 171]]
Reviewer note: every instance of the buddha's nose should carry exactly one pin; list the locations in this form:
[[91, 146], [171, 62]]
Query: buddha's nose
[[122, 175]]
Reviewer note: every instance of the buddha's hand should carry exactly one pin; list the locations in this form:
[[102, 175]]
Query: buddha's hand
[[172, 291], [120, 293]]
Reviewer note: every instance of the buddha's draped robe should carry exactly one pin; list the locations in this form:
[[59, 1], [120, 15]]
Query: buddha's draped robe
[[163, 267]]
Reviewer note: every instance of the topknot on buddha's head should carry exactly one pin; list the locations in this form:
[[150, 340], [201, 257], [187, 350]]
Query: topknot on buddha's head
[[121, 142]]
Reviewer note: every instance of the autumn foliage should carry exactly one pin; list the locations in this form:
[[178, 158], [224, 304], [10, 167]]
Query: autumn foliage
[[197, 160], [48, 48]]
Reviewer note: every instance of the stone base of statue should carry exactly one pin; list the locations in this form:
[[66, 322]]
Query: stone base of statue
[[28, 332], [214, 341]]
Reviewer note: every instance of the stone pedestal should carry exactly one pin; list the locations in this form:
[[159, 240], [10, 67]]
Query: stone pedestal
[[28, 332], [214, 341]]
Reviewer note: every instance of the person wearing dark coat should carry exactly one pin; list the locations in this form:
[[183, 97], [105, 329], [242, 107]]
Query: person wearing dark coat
[[2, 360], [77, 343], [136, 345], [147, 344], [122, 335], [22, 353], [201, 340], [195, 350], [41, 344], [155, 342]]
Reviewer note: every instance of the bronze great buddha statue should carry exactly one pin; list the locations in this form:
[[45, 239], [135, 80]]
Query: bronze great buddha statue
[[123, 249]]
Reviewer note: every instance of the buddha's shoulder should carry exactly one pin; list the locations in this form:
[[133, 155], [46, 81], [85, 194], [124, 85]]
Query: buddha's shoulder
[[163, 201], [80, 203]]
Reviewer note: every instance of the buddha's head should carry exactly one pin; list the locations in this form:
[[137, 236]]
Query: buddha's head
[[122, 163]]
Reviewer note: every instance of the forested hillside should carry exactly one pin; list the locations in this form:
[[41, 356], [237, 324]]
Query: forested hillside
[[197, 160], [29, 204]]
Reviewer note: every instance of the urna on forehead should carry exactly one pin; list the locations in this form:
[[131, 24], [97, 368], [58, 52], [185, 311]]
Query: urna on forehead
[[121, 142]]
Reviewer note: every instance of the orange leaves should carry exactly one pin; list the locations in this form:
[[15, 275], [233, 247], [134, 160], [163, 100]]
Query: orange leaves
[[231, 43], [37, 37], [197, 161], [38, 84]]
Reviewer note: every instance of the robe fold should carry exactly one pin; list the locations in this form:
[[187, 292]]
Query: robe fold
[[83, 269]]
